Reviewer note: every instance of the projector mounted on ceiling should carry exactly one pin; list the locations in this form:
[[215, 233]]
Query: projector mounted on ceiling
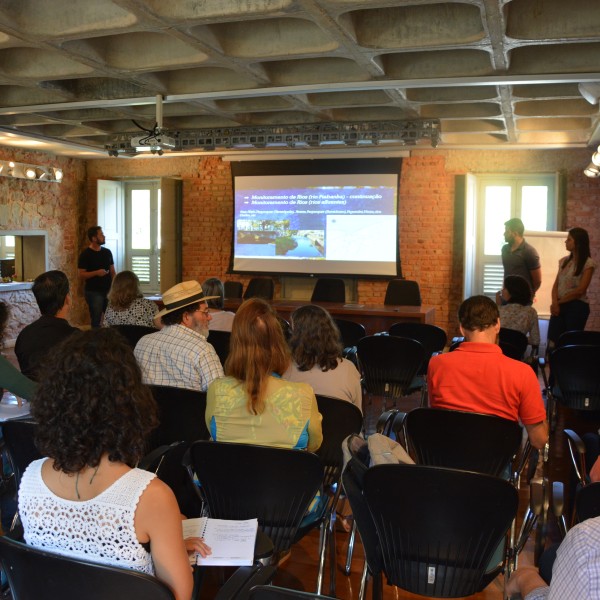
[[155, 142]]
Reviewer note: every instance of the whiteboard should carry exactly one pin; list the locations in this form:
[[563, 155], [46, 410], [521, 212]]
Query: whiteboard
[[551, 247]]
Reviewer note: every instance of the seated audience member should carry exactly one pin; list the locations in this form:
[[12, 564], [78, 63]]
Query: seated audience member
[[252, 404], [477, 377], [317, 356], [11, 378], [517, 312], [220, 319], [126, 304], [93, 415], [51, 291], [178, 355], [576, 571]]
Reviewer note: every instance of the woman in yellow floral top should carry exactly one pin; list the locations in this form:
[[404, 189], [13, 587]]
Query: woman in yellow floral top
[[252, 404]]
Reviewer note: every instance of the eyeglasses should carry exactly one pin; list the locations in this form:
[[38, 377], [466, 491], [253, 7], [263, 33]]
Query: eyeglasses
[[204, 312]]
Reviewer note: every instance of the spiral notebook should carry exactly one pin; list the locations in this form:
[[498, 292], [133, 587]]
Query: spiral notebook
[[232, 542]]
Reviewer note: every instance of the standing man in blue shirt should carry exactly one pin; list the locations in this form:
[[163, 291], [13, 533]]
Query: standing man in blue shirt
[[96, 269]]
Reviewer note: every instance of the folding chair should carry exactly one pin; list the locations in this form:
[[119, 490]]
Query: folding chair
[[439, 528], [180, 414], [242, 481], [389, 365]]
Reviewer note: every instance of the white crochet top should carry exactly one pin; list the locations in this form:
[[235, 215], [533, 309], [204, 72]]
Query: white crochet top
[[99, 530]]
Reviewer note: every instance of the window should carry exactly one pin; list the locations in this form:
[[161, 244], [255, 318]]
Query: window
[[141, 220], [142, 239], [491, 201]]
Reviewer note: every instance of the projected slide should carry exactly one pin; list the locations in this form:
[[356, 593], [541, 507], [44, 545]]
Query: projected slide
[[344, 224]]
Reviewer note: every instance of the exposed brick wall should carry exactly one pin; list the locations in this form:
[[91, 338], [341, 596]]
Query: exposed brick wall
[[431, 238], [54, 207]]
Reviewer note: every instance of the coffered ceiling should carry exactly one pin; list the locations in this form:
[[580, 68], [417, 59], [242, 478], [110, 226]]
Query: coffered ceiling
[[496, 73]]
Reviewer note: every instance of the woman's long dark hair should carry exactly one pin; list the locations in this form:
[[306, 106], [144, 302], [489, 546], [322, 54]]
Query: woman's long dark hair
[[582, 244]]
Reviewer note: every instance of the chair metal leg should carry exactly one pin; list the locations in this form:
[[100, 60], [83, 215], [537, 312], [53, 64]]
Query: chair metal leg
[[323, 537], [363, 582], [351, 540], [332, 557]]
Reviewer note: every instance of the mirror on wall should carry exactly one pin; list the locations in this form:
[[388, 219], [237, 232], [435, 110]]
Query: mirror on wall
[[22, 255]]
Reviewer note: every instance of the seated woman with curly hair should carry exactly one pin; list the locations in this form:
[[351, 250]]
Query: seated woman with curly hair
[[126, 304], [86, 500], [317, 355]]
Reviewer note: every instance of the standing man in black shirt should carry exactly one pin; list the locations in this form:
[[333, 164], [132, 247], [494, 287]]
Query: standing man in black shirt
[[97, 269]]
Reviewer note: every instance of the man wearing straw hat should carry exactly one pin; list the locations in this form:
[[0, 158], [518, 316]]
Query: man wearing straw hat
[[178, 355]]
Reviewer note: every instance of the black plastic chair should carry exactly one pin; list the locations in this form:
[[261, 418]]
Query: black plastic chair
[[513, 343], [220, 342], [433, 339], [166, 462], [340, 419], [579, 338], [233, 289], [576, 381], [181, 415], [19, 438], [329, 290], [133, 333], [350, 331], [403, 292], [439, 528], [462, 440], [242, 481], [389, 365], [260, 287], [34, 573]]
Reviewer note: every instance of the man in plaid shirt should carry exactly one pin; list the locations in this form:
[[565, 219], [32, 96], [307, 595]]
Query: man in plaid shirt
[[178, 355]]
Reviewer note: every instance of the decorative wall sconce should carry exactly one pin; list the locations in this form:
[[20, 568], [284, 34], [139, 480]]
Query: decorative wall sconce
[[25, 171]]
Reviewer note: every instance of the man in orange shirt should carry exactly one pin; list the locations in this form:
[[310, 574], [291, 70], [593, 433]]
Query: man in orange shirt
[[477, 377]]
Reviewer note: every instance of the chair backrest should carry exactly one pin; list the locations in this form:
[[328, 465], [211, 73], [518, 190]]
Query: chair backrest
[[587, 502], [242, 481], [432, 337], [328, 289], [220, 342], [133, 333], [517, 339], [438, 528], [403, 292], [233, 289], [260, 287], [340, 419], [19, 437], [166, 462], [350, 331], [575, 369], [578, 338], [180, 414], [34, 573], [462, 440], [389, 363]]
